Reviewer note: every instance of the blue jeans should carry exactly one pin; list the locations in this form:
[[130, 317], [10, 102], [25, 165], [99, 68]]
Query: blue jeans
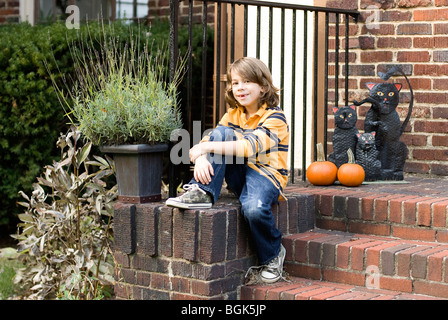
[[256, 194]]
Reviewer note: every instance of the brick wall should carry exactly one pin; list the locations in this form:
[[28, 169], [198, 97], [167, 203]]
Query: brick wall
[[161, 8], [164, 253], [9, 11], [413, 34]]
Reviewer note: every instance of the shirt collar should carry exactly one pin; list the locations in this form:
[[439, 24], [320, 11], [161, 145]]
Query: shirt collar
[[259, 112]]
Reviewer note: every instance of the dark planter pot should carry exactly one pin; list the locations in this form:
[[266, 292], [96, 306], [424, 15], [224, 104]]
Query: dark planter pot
[[138, 171]]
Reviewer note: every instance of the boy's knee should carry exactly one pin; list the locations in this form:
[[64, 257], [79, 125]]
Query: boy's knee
[[252, 210], [222, 133]]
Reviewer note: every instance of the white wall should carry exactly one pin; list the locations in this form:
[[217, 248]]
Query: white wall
[[26, 9]]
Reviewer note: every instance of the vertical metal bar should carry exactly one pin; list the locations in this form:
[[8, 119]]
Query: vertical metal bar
[[305, 87], [327, 23], [134, 9], [190, 66], [347, 34], [258, 31], [218, 63], [316, 43], [173, 44], [173, 54], [204, 65], [282, 56], [293, 96], [270, 37], [53, 10], [113, 10], [232, 33], [336, 65], [245, 30]]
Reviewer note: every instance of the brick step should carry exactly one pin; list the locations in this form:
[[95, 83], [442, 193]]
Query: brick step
[[297, 288], [167, 253], [401, 212], [408, 266]]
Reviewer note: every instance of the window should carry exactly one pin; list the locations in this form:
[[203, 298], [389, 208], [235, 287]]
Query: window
[[48, 10], [131, 9]]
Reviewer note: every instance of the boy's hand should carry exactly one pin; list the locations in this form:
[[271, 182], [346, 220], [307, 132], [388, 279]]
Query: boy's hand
[[203, 170], [196, 152]]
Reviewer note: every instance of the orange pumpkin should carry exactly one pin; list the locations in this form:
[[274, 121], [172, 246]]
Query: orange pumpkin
[[321, 172], [351, 174]]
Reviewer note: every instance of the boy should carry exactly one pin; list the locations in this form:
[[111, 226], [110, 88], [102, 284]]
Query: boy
[[255, 131]]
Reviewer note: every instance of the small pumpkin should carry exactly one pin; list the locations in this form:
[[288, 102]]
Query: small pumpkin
[[351, 174], [321, 172]]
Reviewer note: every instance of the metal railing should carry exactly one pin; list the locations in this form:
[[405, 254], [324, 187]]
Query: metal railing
[[306, 36]]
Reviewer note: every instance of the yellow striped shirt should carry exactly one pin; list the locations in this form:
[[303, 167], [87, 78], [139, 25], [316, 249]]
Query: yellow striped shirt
[[263, 139]]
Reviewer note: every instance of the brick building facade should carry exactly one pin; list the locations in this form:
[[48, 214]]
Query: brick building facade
[[414, 35], [9, 11], [411, 33]]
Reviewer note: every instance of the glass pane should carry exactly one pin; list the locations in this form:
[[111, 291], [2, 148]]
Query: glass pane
[[142, 10], [45, 10], [89, 10], [125, 9]]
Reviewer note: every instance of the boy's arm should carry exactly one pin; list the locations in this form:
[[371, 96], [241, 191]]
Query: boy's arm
[[273, 131], [218, 147]]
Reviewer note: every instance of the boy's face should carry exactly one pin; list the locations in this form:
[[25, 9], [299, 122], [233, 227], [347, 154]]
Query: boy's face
[[245, 92]]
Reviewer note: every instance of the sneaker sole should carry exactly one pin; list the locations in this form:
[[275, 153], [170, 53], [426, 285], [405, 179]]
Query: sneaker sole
[[269, 280], [182, 205], [273, 280]]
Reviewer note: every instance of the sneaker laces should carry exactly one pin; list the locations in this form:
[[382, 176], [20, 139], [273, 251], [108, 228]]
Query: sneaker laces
[[274, 265], [253, 273], [192, 187]]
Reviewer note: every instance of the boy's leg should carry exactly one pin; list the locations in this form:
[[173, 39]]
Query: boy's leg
[[204, 195], [256, 199], [218, 162]]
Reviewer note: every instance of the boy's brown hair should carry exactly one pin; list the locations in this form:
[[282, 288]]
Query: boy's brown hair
[[253, 70]]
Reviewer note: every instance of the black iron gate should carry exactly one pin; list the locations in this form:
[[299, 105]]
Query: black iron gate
[[308, 36]]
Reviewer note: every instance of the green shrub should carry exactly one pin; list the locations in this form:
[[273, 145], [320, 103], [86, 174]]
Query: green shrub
[[31, 117], [8, 264]]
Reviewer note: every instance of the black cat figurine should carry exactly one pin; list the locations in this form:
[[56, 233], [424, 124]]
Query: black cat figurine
[[344, 136], [384, 120], [386, 97], [367, 156]]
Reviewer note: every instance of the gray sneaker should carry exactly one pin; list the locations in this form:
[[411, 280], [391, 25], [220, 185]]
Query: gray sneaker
[[194, 198], [273, 271]]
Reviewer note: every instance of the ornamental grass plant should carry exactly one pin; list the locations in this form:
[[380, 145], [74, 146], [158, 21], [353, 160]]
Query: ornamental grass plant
[[122, 94]]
